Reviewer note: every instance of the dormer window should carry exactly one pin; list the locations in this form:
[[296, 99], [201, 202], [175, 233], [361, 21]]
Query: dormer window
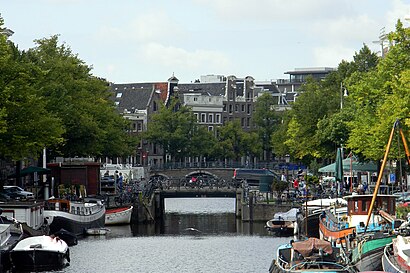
[[119, 95]]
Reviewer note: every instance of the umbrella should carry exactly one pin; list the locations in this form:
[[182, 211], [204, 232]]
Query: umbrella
[[34, 169], [30, 170], [339, 165], [339, 168]]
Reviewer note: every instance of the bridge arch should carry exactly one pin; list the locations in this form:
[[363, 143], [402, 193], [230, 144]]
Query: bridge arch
[[201, 173]]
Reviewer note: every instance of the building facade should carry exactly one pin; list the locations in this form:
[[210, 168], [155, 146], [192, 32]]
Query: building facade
[[215, 100]]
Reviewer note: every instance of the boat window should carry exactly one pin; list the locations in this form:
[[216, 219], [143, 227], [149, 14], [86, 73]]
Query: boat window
[[385, 205], [356, 206], [364, 205]]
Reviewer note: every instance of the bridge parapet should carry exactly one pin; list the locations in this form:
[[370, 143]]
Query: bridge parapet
[[179, 174]]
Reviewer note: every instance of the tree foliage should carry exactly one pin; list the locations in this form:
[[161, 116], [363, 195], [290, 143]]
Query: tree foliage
[[49, 98], [26, 125], [266, 119], [380, 97], [175, 129]]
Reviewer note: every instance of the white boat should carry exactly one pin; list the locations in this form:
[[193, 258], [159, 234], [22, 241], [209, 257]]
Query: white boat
[[74, 216], [118, 216], [10, 233], [29, 214], [396, 256], [97, 231], [285, 223], [40, 253]]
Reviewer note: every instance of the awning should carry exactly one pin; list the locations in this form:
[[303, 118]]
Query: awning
[[356, 166]]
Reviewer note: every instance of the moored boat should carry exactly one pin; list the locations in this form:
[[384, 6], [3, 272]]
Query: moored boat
[[367, 255], [68, 237], [338, 227], [97, 231], [118, 216], [40, 253], [11, 232], [311, 255], [285, 223], [396, 255], [74, 216]]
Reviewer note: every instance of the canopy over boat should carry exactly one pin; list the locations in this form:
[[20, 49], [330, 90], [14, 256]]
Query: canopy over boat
[[312, 245], [290, 215]]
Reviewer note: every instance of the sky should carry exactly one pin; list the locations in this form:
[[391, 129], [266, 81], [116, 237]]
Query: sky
[[135, 41]]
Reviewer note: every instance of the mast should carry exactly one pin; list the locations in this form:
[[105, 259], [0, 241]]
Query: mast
[[379, 177]]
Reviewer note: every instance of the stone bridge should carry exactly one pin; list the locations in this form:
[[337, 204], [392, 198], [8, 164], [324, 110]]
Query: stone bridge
[[178, 174]]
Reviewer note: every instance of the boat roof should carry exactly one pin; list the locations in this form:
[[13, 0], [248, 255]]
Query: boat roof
[[325, 202], [361, 196]]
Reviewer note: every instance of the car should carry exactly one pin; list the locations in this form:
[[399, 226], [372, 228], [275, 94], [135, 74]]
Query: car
[[4, 197], [16, 192]]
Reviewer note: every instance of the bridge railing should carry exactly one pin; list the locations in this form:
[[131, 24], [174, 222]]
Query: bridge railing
[[275, 165]]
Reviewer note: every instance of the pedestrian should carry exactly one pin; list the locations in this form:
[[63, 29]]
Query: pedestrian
[[119, 182], [283, 177]]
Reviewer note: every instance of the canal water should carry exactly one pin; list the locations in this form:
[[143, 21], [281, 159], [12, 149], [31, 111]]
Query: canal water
[[197, 235]]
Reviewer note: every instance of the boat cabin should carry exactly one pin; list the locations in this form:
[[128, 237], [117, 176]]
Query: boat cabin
[[73, 207], [358, 208]]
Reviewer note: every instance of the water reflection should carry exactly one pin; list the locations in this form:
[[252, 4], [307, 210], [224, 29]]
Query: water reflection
[[208, 217], [224, 243]]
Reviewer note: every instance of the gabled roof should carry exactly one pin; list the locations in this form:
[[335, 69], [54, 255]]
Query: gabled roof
[[134, 96]]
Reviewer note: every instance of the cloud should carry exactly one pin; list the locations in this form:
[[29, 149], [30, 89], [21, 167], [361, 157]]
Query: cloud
[[400, 11], [154, 27], [331, 56], [272, 10], [170, 56], [347, 29]]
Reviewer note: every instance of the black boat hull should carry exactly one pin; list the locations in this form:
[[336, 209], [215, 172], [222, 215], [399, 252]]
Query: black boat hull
[[39, 260]]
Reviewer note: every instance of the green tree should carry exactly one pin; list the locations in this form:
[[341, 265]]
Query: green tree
[[80, 100], [231, 139], [381, 96], [26, 124], [173, 130], [313, 103], [266, 119]]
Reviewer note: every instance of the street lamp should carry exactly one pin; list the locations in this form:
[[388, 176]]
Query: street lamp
[[343, 93]]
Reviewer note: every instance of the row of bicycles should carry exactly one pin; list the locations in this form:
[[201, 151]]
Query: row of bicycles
[[135, 191]]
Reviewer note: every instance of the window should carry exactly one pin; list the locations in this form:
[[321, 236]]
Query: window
[[195, 99], [364, 205], [230, 108], [203, 118], [218, 118], [224, 109], [249, 109], [196, 116], [210, 118], [139, 126], [210, 128], [243, 122], [356, 206], [236, 107], [155, 107], [119, 95], [243, 107], [117, 103]]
